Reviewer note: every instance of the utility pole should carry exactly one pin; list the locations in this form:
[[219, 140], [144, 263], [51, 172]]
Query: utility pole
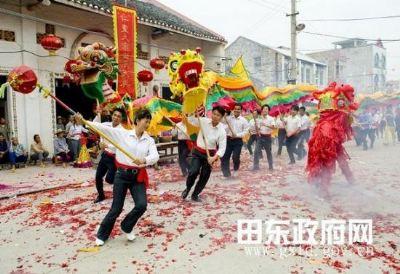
[[293, 38]]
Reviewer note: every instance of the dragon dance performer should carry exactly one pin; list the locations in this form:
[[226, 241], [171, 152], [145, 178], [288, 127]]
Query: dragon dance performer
[[264, 141], [215, 138], [184, 147], [336, 103], [236, 128], [253, 130], [130, 174], [107, 161]]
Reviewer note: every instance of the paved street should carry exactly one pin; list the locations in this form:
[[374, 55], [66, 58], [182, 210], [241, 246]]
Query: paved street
[[53, 231]]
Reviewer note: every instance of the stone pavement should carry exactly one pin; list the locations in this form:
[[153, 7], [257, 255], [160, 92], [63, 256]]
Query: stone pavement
[[53, 231]]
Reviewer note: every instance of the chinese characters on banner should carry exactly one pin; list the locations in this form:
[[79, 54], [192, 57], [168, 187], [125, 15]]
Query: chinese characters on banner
[[125, 41]]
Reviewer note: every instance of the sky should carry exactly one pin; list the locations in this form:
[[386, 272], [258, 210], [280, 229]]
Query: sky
[[265, 21]]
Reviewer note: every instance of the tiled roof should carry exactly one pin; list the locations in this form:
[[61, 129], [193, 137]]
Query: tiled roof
[[284, 51], [151, 12]]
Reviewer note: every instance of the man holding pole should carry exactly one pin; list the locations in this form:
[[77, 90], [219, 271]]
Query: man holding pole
[[236, 127], [183, 147], [210, 146], [107, 161], [264, 140]]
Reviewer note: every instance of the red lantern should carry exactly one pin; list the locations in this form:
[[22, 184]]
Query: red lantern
[[157, 64], [145, 76], [51, 43], [22, 79]]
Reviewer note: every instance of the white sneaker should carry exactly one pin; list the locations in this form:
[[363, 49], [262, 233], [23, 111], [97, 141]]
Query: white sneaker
[[99, 242], [130, 236], [234, 174]]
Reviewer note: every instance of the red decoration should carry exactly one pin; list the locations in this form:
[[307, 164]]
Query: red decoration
[[66, 80], [51, 43], [22, 79], [157, 64], [145, 76]]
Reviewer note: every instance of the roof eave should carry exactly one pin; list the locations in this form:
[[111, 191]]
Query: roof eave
[[142, 21]]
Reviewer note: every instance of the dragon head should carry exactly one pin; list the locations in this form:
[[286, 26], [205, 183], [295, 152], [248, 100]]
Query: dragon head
[[188, 78], [336, 97], [93, 68]]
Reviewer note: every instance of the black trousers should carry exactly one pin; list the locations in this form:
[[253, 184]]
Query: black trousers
[[183, 154], [123, 181], [364, 133], [233, 148], [291, 143], [303, 137], [281, 139], [198, 165], [398, 133], [371, 135], [250, 142], [263, 142], [106, 166]]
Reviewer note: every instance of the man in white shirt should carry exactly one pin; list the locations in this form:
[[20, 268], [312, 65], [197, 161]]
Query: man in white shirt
[[280, 124], [131, 174], [304, 133], [215, 138], [292, 126], [254, 129], [264, 141], [183, 147], [236, 127], [107, 161]]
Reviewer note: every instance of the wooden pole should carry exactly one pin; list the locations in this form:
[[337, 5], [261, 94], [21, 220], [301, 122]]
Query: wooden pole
[[229, 126], [179, 128], [202, 134], [47, 92]]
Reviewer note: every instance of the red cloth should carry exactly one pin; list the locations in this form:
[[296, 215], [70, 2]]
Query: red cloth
[[203, 151], [142, 176], [326, 146]]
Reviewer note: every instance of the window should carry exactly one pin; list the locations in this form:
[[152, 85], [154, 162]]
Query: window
[[7, 35], [383, 80], [257, 62], [376, 82], [50, 29], [321, 77], [286, 70], [376, 60], [142, 54], [337, 69], [383, 59], [308, 75]]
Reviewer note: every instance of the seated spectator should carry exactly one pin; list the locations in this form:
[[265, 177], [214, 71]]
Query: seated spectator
[[3, 149], [17, 154], [4, 128], [38, 151], [60, 123], [61, 150]]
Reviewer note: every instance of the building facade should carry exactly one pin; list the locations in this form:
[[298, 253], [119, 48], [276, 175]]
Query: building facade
[[268, 66], [356, 62], [161, 30]]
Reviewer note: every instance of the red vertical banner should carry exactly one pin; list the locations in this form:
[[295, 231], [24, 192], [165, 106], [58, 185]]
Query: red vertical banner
[[125, 35]]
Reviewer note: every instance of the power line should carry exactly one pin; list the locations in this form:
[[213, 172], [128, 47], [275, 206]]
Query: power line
[[351, 19], [344, 37]]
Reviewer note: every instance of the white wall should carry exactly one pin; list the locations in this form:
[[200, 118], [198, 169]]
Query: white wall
[[36, 115]]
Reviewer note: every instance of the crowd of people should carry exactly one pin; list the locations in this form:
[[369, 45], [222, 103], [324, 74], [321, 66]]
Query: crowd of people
[[222, 137], [66, 145], [373, 124]]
